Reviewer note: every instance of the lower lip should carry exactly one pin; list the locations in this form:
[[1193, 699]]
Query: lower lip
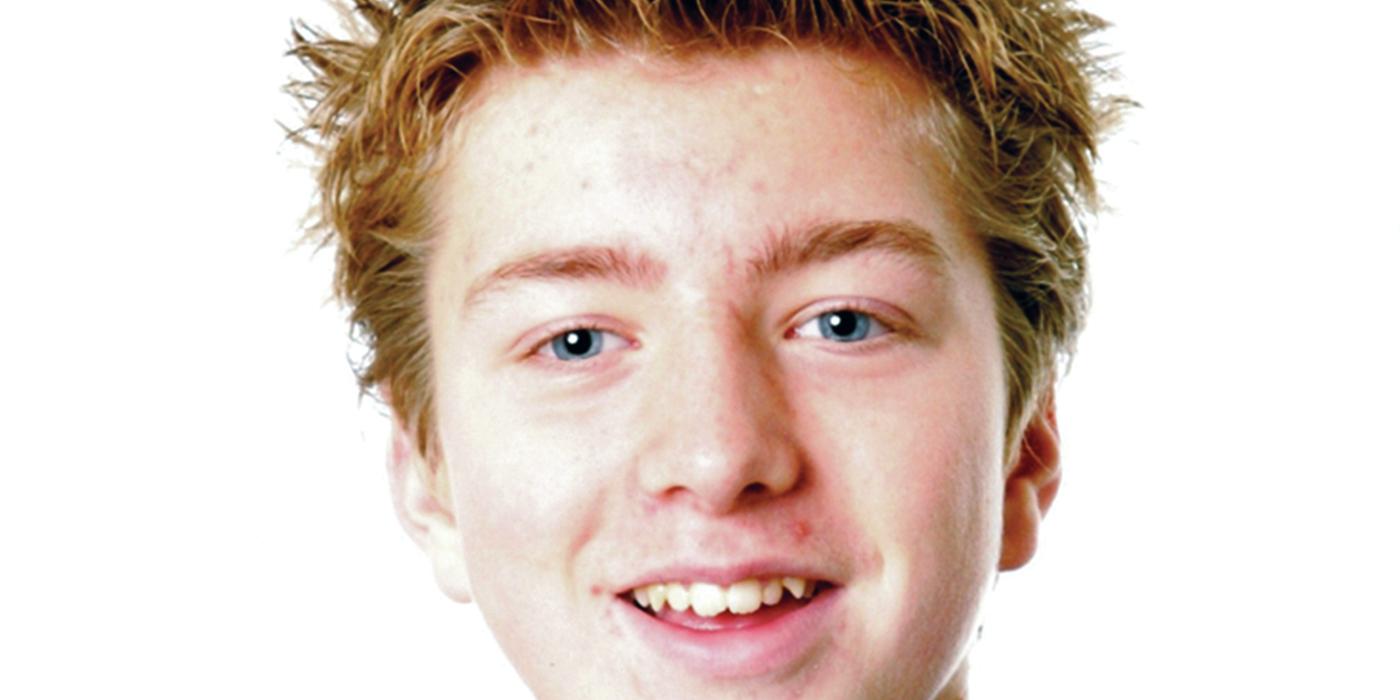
[[770, 645]]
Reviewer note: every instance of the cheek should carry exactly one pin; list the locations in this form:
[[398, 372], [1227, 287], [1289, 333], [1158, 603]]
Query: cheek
[[527, 500], [923, 474], [917, 465], [522, 486]]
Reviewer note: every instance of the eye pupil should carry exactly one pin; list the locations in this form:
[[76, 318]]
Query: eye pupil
[[577, 344], [845, 325]]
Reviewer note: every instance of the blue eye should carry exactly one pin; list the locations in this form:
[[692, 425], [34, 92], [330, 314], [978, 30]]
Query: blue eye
[[581, 344], [578, 344], [842, 326]]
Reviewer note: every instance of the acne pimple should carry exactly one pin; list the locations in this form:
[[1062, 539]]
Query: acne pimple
[[801, 530], [759, 187]]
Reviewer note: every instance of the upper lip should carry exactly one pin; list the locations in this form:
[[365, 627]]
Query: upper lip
[[728, 573]]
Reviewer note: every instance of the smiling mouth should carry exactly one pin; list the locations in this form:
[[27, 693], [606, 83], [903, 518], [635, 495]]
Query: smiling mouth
[[709, 606]]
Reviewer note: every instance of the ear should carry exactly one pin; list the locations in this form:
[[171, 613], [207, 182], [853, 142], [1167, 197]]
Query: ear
[[1031, 485], [423, 502]]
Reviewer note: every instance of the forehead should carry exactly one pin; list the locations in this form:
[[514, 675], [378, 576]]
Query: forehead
[[637, 87], [687, 155]]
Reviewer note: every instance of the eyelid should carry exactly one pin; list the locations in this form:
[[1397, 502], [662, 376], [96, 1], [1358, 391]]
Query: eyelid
[[537, 344], [898, 323]]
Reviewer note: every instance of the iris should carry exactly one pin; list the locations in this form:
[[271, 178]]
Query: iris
[[844, 326], [577, 344]]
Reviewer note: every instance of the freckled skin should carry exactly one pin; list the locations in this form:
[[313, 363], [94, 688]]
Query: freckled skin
[[713, 433]]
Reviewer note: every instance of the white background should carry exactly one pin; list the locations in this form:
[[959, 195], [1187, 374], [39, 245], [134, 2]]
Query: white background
[[192, 504]]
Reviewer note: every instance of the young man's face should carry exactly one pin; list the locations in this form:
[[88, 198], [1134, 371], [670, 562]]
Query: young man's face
[[707, 323]]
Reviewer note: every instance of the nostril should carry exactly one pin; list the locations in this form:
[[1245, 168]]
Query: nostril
[[755, 489], [760, 489]]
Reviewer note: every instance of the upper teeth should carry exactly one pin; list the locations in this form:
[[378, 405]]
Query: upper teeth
[[710, 599]]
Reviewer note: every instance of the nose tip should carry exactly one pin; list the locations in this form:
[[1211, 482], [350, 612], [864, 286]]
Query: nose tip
[[725, 441], [728, 468]]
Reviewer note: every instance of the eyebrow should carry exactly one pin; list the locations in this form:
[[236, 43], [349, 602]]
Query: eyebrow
[[786, 250], [573, 263], [790, 250]]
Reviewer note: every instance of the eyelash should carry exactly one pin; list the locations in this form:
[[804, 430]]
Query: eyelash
[[896, 330], [538, 351]]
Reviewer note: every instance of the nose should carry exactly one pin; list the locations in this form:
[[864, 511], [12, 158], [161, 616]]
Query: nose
[[722, 438]]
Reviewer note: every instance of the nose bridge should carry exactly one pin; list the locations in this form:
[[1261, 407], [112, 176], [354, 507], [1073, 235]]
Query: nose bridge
[[725, 437]]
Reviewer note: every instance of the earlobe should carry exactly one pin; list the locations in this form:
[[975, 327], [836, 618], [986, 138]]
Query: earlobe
[[425, 510], [1031, 486]]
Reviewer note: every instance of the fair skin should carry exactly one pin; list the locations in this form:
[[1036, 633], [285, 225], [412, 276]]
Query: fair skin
[[648, 373]]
